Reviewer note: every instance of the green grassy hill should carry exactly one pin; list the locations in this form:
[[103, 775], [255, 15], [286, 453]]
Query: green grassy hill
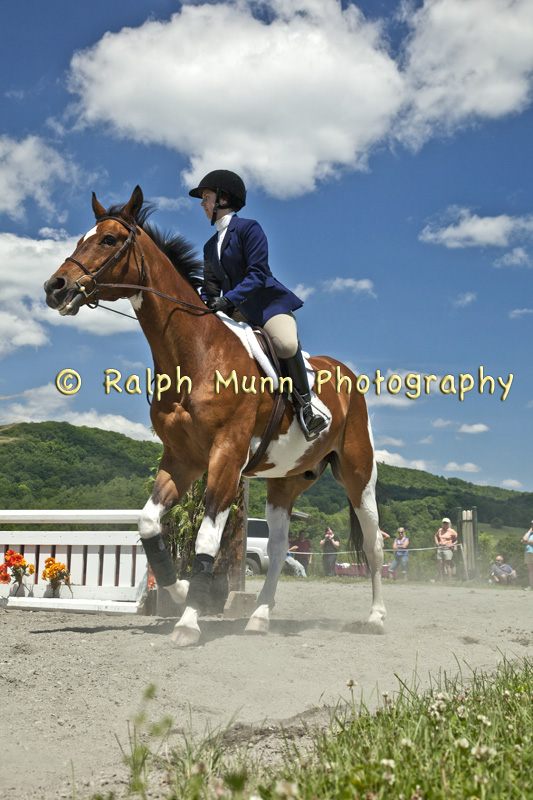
[[57, 465]]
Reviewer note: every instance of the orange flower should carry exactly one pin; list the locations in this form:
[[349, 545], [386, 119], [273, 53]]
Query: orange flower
[[55, 571]]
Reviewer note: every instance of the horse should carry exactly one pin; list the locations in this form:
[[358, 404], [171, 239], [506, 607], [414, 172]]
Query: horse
[[207, 421]]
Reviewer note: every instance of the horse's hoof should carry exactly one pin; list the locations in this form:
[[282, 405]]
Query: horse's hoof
[[257, 625], [184, 637], [375, 624]]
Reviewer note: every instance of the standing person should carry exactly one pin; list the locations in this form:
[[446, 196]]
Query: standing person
[[446, 541], [300, 548], [330, 545], [401, 554], [528, 555], [238, 281]]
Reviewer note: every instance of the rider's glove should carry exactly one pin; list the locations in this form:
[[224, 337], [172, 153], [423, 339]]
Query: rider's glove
[[220, 304]]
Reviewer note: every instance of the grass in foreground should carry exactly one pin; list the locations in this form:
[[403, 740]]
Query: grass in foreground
[[462, 740]]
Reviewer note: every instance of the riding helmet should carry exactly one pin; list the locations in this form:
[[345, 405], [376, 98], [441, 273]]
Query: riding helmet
[[226, 181]]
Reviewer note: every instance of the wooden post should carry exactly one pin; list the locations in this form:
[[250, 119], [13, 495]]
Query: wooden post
[[237, 565]]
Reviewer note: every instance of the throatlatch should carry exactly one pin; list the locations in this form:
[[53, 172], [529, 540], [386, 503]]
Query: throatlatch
[[160, 561], [201, 579]]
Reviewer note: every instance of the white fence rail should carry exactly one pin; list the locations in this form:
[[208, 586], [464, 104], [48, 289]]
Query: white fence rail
[[108, 569]]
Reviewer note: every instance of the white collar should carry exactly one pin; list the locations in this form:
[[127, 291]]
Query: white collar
[[223, 222]]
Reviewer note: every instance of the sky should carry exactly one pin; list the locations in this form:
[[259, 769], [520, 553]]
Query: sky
[[387, 151]]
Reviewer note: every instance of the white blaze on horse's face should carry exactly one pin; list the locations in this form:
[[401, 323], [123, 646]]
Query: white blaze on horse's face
[[90, 233]]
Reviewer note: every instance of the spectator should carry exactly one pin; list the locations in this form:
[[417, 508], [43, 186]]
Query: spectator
[[296, 567], [446, 541], [528, 556], [401, 554], [502, 573], [330, 545], [300, 549], [384, 535]]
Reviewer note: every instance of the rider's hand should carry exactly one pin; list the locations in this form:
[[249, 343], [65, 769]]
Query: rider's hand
[[220, 304]]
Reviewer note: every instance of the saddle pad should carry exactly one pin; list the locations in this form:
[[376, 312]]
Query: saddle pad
[[255, 351]]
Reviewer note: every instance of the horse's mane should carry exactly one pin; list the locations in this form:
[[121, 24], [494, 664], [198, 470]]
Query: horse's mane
[[177, 249]]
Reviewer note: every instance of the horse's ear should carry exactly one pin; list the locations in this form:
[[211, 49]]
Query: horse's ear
[[99, 210], [134, 204]]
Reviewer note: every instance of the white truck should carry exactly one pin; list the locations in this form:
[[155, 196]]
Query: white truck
[[256, 546], [257, 541]]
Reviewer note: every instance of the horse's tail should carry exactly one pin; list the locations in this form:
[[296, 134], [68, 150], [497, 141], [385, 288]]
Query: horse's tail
[[355, 541]]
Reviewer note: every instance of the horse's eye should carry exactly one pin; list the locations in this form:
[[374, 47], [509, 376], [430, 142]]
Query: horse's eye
[[110, 240]]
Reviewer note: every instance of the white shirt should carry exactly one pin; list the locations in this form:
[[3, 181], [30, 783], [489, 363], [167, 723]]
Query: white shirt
[[222, 226]]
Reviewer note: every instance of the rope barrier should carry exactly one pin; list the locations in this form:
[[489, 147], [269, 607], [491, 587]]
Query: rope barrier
[[385, 550]]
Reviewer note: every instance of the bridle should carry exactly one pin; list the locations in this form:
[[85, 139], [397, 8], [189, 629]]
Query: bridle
[[125, 247]]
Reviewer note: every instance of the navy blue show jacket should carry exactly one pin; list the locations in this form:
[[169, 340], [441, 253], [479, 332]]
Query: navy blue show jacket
[[242, 273]]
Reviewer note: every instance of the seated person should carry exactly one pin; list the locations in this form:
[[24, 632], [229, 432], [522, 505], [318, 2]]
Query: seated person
[[502, 573]]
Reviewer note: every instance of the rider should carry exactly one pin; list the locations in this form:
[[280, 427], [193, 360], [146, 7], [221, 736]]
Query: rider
[[238, 281]]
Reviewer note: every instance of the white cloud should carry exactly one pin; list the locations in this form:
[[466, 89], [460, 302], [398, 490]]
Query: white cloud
[[25, 264], [111, 422], [396, 460], [282, 123], [511, 483], [442, 423], [520, 312], [464, 299], [19, 330], [99, 321], [427, 440], [351, 284], [390, 441], [47, 403], [477, 427], [304, 292], [518, 257], [171, 203], [466, 60], [452, 466], [466, 229], [29, 169]]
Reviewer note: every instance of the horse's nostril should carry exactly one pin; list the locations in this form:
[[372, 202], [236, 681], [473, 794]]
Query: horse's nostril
[[55, 284]]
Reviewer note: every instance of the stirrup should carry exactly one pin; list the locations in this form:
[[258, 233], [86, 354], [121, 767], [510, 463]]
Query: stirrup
[[315, 423]]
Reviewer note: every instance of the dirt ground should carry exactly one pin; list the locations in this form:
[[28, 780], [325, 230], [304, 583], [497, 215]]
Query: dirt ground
[[71, 682]]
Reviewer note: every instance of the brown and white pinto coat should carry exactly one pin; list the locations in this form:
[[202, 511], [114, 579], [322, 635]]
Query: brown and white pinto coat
[[202, 430]]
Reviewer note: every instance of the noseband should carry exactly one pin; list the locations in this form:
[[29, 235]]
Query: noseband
[[132, 239]]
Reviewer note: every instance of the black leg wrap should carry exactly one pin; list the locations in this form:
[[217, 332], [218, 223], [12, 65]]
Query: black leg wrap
[[199, 592], [160, 560]]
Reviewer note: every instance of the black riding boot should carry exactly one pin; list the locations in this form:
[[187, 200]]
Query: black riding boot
[[311, 421]]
